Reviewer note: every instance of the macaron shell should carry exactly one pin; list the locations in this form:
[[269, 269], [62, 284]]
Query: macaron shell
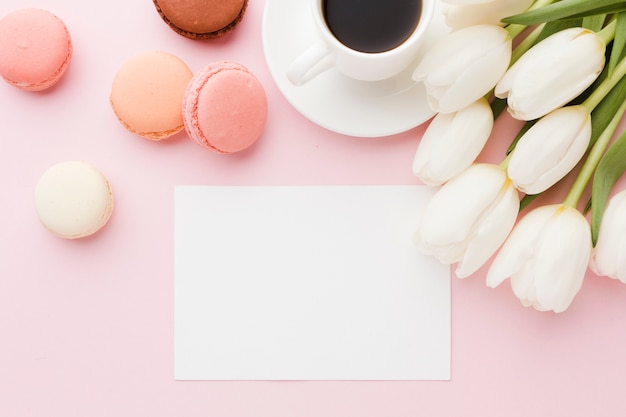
[[147, 93], [35, 49], [73, 199], [201, 19], [225, 108]]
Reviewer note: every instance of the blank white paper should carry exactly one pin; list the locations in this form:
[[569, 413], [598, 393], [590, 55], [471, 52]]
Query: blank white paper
[[307, 283]]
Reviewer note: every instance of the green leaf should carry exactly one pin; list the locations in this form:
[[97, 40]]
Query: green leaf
[[558, 25], [617, 51], [526, 200], [594, 23], [587, 207], [519, 135], [604, 112], [610, 169], [497, 106], [566, 9]]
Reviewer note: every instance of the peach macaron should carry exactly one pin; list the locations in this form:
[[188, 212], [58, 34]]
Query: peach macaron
[[201, 19], [147, 93], [35, 49], [225, 107]]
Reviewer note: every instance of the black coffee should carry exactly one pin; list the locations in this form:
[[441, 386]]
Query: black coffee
[[372, 25]]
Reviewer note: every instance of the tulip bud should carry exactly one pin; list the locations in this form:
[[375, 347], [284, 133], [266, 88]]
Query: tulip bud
[[452, 142], [550, 149], [469, 218], [463, 13], [546, 257], [609, 256], [464, 66], [552, 73]]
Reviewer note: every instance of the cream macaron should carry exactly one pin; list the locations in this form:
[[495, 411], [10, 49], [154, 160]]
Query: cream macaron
[[73, 199]]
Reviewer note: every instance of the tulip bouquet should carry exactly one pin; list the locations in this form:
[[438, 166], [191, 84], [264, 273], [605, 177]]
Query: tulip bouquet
[[559, 67]]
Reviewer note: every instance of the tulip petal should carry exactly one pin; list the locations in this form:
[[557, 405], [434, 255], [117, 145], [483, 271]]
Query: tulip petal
[[492, 232], [452, 142], [562, 257], [452, 218], [609, 255], [546, 257], [477, 79], [552, 73], [550, 149], [431, 69], [430, 66], [446, 254], [620, 267], [456, 75], [519, 246], [523, 285], [459, 14], [468, 193]]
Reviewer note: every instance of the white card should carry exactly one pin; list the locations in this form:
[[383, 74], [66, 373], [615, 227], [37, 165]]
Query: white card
[[307, 283]]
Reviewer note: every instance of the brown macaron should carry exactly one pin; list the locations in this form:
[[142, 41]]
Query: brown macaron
[[201, 19]]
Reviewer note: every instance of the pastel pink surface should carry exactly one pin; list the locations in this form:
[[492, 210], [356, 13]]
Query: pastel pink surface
[[35, 49], [87, 327], [225, 108]]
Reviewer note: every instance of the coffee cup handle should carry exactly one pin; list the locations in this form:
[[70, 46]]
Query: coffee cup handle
[[310, 64]]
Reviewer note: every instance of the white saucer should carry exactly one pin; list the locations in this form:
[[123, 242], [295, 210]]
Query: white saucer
[[332, 100]]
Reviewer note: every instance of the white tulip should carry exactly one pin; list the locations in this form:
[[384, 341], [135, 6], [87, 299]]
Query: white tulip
[[463, 13], [550, 149], [464, 66], [452, 142], [608, 258], [552, 73], [546, 257], [468, 218]]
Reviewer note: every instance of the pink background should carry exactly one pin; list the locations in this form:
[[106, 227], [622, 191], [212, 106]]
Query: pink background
[[86, 326]]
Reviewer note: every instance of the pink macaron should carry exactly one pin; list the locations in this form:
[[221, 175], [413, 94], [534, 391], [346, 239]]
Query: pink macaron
[[35, 49], [225, 107]]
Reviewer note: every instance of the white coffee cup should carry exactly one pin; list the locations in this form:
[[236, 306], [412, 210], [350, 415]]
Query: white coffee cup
[[329, 52]]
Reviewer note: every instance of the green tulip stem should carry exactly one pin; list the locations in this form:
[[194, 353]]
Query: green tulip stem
[[514, 30], [596, 153], [526, 43], [505, 162], [607, 34], [605, 86]]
